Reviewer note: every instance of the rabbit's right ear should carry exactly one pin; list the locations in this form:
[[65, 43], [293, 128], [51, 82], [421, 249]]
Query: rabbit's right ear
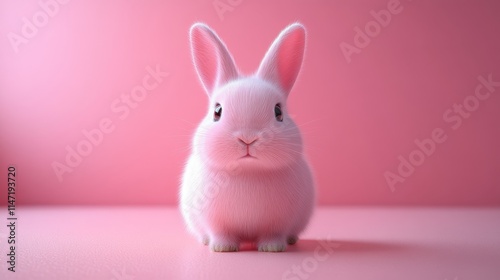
[[213, 62], [283, 60]]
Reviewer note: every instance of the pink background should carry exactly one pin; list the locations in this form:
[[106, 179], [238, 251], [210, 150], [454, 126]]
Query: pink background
[[356, 117]]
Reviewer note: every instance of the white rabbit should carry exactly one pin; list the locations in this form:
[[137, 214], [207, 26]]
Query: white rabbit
[[247, 179]]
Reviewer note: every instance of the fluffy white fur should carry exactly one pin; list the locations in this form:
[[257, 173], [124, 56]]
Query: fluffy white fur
[[247, 179]]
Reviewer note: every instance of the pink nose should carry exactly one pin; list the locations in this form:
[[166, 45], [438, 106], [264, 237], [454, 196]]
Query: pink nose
[[247, 141]]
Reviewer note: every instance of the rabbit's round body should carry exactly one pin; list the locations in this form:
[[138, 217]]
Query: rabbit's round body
[[247, 178]]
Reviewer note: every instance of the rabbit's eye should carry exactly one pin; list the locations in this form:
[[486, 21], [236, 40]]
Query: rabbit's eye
[[217, 112], [278, 113]]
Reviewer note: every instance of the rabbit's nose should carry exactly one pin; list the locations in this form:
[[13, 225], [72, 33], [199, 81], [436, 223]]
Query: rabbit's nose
[[247, 141]]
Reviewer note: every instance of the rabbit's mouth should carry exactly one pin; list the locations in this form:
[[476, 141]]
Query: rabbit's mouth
[[248, 156]]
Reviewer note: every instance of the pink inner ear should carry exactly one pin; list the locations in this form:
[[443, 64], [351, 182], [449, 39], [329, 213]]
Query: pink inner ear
[[206, 58], [283, 60], [289, 58]]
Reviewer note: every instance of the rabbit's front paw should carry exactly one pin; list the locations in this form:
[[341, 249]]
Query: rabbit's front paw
[[223, 244], [272, 245]]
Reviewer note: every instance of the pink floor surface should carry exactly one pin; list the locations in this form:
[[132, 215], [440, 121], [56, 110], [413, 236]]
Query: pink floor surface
[[341, 243]]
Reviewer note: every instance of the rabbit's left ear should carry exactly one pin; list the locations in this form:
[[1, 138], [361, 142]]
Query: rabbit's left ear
[[283, 60], [212, 60]]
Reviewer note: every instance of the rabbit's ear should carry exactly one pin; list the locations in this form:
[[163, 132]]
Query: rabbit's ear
[[213, 62], [283, 60]]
